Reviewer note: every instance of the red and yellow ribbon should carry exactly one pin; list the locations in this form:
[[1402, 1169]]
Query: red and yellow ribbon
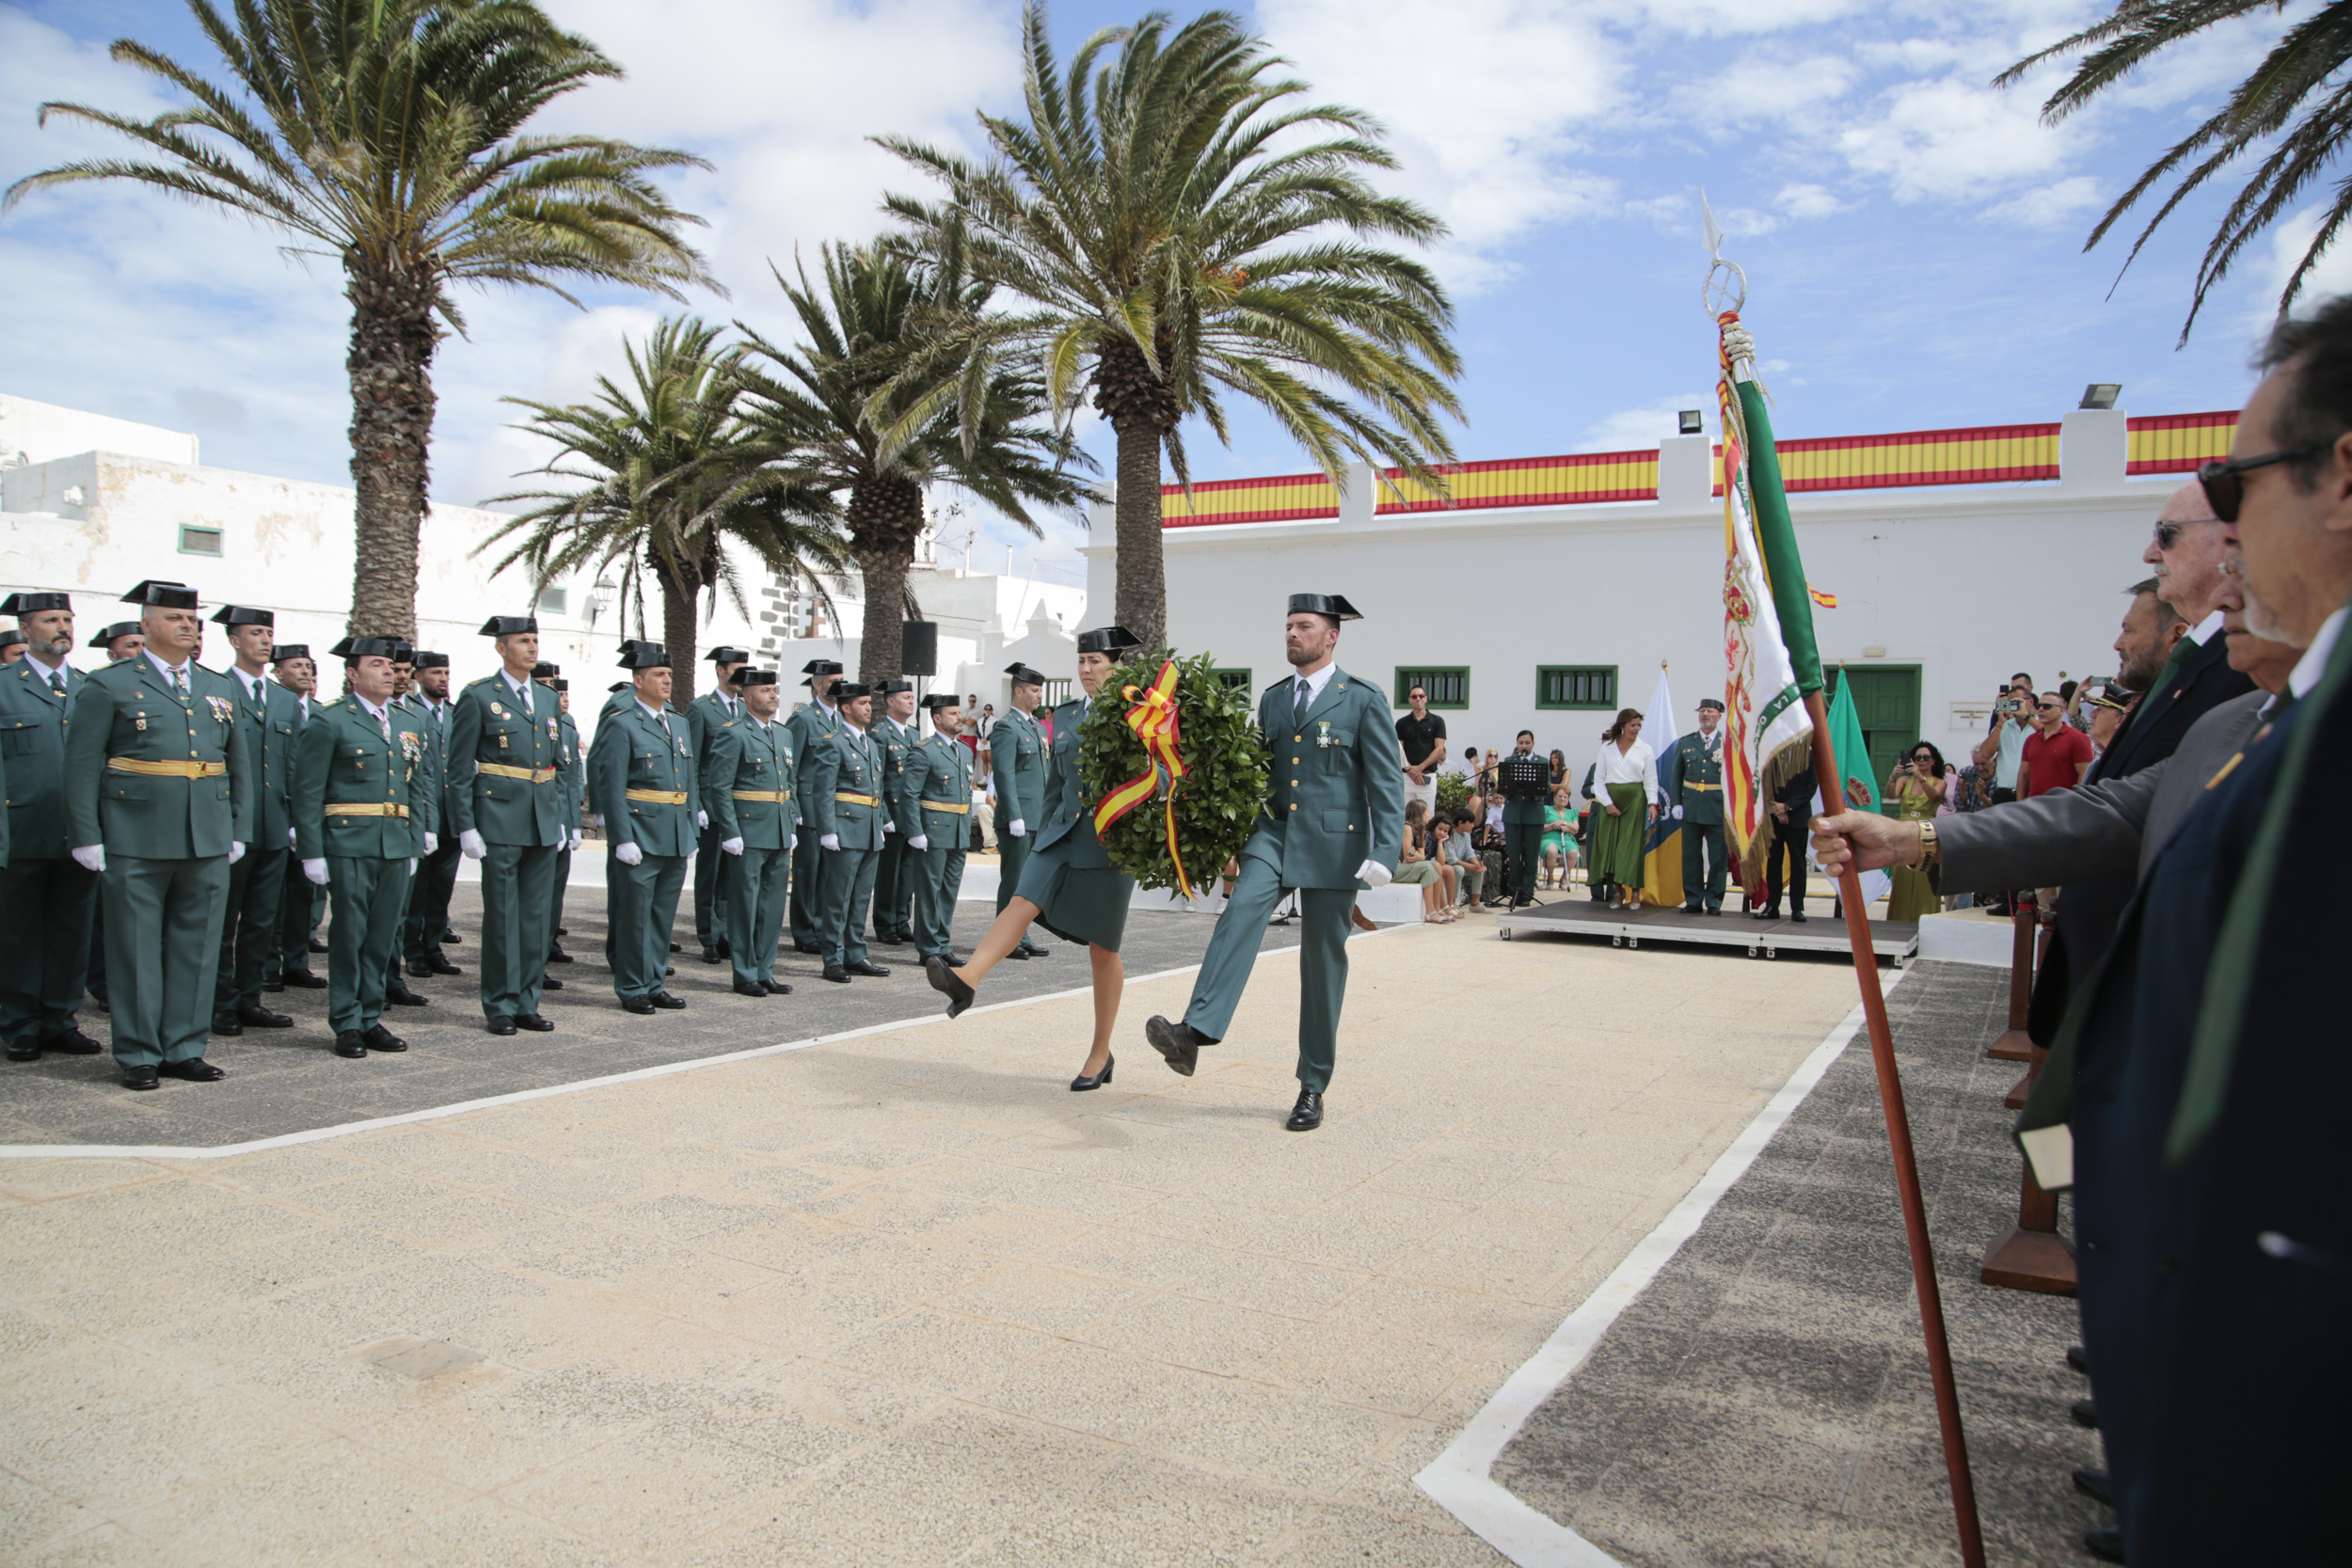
[[1152, 717]]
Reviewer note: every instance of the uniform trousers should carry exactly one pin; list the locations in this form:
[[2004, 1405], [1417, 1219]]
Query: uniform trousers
[[249, 930], [1322, 964], [849, 888], [163, 954], [555, 897], [938, 879], [1520, 841], [710, 906], [517, 881], [301, 904], [1787, 843], [44, 945], [643, 901], [407, 905], [895, 875], [756, 885], [1013, 859], [94, 963], [1703, 839], [428, 899], [808, 891], [366, 893]]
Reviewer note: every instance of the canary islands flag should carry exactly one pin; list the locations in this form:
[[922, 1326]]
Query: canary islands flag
[[1662, 851]]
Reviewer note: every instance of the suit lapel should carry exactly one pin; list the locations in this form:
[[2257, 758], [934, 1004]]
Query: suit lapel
[[1332, 691]]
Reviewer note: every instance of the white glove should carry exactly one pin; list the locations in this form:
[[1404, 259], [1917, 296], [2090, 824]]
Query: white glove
[[731, 846], [471, 842], [412, 865], [890, 827], [575, 838], [918, 841], [1018, 828], [91, 857], [630, 853], [316, 870], [702, 819], [831, 841], [236, 852], [1678, 813], [791, 841], [431, 842], [291, 838], [1373, 874]]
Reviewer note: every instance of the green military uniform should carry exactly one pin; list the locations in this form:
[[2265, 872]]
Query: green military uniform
[[841, 797], [748, 793], [300, 905], [894, 886], [432, 770], [572, 761], [1016, 755], [809, 729], [641, 778], [1337, 801], [1079, 895], [269, 724], [934, 801], [1695, 782], [707, 717], [505, 741], [155, 775], [1522, 778], [363, 803], [46, 894], [96, 968], [436, 883]]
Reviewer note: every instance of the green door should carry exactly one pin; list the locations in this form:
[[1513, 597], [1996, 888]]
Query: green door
[[1886, 697]]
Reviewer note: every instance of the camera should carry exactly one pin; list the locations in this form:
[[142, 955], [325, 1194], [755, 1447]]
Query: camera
[[2011, 706]]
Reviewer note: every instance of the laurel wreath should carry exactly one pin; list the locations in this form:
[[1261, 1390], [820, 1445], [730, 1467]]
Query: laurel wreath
[[1225, 778]]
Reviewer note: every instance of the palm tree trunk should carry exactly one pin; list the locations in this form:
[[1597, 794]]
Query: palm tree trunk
[[1142, 573], [677, 636], [881, 642], [390, 367]]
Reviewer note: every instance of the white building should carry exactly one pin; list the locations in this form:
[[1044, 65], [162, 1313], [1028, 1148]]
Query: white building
[[1551, 617]]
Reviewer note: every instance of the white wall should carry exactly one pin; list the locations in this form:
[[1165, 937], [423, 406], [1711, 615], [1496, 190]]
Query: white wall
[[41, 431]]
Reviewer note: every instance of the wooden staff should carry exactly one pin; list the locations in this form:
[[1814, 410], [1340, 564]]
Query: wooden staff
[[1866, 965]]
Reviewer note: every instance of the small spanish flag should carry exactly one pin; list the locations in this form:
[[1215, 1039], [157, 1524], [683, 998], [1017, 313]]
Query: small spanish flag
[[1827, 601]]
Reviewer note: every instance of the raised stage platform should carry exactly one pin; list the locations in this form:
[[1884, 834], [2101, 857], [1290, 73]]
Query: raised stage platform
[[1896, 941]]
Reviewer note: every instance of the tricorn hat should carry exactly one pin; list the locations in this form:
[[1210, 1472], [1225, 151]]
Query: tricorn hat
[[239, 616], [364, 647], [1109, 640], [545, 672], [403, 652], [560, 684], [822, 667], [1332, 604], [888, 687], [728, 656], [285, 651], [1715, 703], [431, 660], [938, 700], [617, 686], [1023, 675], [10, 637], [749, 676], [509, 625], [162, 595], [107, 635], [645, 655], [25, 604], [849, 689]]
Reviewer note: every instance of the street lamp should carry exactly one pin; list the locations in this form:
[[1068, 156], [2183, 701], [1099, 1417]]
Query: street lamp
[[600, 600]]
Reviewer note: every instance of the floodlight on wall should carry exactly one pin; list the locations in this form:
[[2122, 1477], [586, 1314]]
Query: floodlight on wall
[[2101, 394], [1691, 423]]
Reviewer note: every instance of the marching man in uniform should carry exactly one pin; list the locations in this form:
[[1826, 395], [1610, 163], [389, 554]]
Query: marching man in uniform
[[156, 801], [46, 894], [841, 803], [707, 717], [935, 806], [1695, 782], [1334, 821], [1016, 757], [364, 813], [749, 796], [641, 780], [809, 731], [269, 721]]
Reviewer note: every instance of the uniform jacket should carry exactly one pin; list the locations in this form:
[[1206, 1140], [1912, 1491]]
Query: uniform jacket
[[1339, 785], [1523, 811], [848, 763], [1068, 813], [891, 744], [271, 732], [437, 729], [809, 731], [128, 710], [707, 717], [634, 750], [572, 764], [755, 758], [492, 726], [1016, 757], [1694, 762], [347, 759], [32, 746], [935, 793]]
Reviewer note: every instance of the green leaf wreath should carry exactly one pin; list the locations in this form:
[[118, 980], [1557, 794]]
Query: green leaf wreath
[[1224, 784]]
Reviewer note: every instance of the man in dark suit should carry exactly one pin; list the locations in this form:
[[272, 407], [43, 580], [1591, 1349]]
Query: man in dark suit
[[45, 895]]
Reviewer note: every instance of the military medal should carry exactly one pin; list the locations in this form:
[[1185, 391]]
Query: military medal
[[496, 712], [1323, 739]]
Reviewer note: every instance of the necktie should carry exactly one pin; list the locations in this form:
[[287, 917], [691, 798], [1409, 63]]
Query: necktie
[[56, 682], [1299, 712], [179, 683]]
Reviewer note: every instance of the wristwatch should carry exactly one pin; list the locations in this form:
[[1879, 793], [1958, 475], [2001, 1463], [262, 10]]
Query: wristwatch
[[1929, 853]]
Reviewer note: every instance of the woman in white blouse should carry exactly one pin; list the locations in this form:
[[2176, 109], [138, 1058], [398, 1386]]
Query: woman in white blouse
[[1627, 800]]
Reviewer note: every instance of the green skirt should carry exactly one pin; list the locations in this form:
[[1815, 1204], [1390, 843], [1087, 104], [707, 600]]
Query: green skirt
[[1076, 903], [1619, 842], [1913, 894]]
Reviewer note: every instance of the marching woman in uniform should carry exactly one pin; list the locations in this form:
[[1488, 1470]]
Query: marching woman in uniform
[[1068, 884], [1624, 781]]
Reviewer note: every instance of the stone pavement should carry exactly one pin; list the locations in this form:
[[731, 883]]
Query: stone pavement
[[897, 1299]]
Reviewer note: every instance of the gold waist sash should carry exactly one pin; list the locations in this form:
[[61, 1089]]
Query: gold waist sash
[[774, 797], [658, 797], [168, 769], [959, 807], [367, 808], [503, 770], [856, 800], [1692, 784]]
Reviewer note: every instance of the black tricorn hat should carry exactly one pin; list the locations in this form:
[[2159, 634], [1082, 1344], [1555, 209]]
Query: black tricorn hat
[[645, 655], [749, 676], [617, 686], [938, 700], [285, 651], [1109, 640], [25, 604], [239, 616], [109, 634], [509, 625], [886, 687], [560, 684], [431, 661], [364, 647], [821, 667], [545, 672], [10, 637], [1715, 703], [1025, 676], [1332, 604], [403, 652], [848, 689], [162, 595], [728, 656]]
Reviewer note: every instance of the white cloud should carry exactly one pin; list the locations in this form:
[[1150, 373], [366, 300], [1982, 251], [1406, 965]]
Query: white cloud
[[2058, 204], [1803, 202], [1951, 139], [2270, 266], [1630, 429]]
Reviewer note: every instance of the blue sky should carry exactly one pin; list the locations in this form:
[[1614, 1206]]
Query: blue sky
[[1913, 238]]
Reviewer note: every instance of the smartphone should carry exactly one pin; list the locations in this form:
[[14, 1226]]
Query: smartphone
[[2010, 706]]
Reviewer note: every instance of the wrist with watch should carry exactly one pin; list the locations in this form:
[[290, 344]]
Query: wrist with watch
[[1929, 853]]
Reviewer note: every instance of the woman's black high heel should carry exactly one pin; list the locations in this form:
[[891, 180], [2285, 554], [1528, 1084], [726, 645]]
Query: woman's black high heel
[[946, 981], [1082, 1083]]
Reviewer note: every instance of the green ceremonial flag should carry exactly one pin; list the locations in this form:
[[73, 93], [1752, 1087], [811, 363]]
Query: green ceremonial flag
[[1853, 750], [1776, 536]]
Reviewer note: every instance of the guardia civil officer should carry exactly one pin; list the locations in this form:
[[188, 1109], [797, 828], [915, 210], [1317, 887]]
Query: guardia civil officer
[[13, 644], [269, 722], [748, 793], [504, 742], [301, 906], [708, 716], [406, 709], [1524, 779], [428, 926], [1016, 757], [1695, 782], [811, 727], [841, 802], [1334, 822], [364, 812], [641, 777], [118, 641], [572, 758], [46, 894], [894, 733], [934, 807], [156, 804]]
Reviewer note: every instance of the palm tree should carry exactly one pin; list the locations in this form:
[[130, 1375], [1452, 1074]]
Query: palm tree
[[1173, 232], [389, 135], [2293, 103], [669, 475], [828, 401]]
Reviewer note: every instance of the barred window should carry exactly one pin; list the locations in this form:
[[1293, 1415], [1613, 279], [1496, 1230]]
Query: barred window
[[1447, 685], [1233, 680], [1590, 686]]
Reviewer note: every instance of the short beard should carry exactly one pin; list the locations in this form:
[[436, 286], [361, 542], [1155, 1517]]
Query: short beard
[[1302, 657], [2139, 675]]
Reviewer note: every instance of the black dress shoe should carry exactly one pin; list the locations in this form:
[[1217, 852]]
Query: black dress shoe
[[533, 1023], [436, 964], [806, 947], [1764, 915], [1094, 1081], [1177, 1043], [498, 1023], [1691, 908], [1308, 1113], [380, 1039], [316, 945], [1020, 952], [548, 982], [24, 1050], [139, 1078], [674, 947], [751, 988], [274, 987], [1035, 950], [71, 1042], [351, 1043], [867, 967], [2105, 1544], [637, 1004], [450, 939], [2079, 1359], [726, 948], [667, 1002], [949, 984], [226, 1023], [1797, 915], [557, 956], [560, 930], [402, 996], [891, 937], [196, 1069], [712, 954], [776, 987], [419, 968], [838, 975], [261, 1018], [302, 979], [668, 969], [2086, 1412], [2092, 1481]]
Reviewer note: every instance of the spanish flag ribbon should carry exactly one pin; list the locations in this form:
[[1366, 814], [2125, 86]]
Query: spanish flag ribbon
[[1152, 717], [1827, 601]]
